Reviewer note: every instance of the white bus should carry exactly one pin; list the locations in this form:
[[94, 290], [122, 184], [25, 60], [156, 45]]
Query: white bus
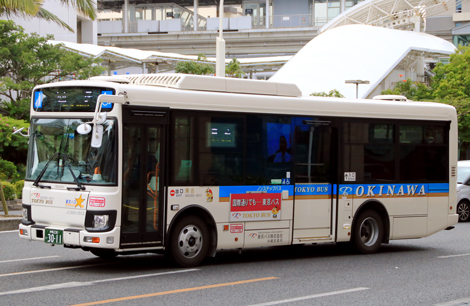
[[188, 165]]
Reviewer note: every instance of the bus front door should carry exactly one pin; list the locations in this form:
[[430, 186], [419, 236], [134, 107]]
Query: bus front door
[[142, 176], [313, 200]]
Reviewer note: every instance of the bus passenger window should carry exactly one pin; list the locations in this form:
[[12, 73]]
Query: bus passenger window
[[369, 151], [183, 154], [221, 150], [423, 153], [268, 148]]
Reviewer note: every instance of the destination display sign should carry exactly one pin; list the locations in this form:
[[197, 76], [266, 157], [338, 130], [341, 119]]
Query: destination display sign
[[70, 99]]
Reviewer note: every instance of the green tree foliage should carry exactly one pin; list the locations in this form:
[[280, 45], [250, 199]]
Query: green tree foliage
[[8, 190], [412, 90], [8, 170], [452, 81], [13, 147], [29, 60], [33, 8], [19, 189], [233, 69], [199, 67], [332, 93]]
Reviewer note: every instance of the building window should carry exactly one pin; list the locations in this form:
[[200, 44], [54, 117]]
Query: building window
[[463, 40]]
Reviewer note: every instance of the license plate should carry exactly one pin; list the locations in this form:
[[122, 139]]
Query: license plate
[[54, 236]]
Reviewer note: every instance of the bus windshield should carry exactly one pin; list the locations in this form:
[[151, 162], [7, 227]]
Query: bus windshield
[[57, 142]]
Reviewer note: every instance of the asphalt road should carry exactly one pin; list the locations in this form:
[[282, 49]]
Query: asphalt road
[[428, 271]]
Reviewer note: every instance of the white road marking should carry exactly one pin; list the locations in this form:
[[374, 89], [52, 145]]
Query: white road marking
[[457, 255], [456, 302], [81, 284], [53, 269], [33, 258], [3, 232], [311, 296]]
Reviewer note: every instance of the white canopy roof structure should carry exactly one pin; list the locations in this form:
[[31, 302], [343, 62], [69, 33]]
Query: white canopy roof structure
[[118, 58], [357, 52], [393, 14]]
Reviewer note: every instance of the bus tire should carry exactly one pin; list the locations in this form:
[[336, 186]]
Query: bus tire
[[368, 232], [104, 253], [463, 210], [189, 242]]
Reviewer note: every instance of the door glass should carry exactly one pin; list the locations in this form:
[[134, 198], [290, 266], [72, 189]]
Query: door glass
[[153, 178], [313, 157], [131, 179]]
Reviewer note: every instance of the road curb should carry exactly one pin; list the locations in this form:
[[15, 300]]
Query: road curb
[[9, 223]]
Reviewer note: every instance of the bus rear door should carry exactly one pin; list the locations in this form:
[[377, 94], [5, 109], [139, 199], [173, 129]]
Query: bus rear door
[[314, 183]]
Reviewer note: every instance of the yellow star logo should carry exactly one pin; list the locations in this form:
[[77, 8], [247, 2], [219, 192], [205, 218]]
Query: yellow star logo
[[79, 202]]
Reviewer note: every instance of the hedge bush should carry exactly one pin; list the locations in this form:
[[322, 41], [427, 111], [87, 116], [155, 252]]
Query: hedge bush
[[8, 170], [19, 189], [8, 190]]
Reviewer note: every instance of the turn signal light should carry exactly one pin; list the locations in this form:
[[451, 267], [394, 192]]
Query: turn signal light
[[91, 239]]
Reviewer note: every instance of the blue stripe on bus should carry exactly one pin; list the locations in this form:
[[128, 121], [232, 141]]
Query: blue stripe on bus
[[371, 190], [438, 187], [225, 191], [313, 189], [342, 189]]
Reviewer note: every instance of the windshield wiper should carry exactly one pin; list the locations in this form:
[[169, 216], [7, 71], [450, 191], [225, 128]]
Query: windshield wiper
[[66, 157], [75, 179], [36, 181]]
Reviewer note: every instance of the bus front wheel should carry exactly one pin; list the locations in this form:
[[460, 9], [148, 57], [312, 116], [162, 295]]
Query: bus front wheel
[[189, 242], [368, 232]]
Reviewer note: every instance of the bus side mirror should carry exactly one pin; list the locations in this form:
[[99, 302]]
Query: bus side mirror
[[97, 136], [18, 131], [102, 118], [83, 128]]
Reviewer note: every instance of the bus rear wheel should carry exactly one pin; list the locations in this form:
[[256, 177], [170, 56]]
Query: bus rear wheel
[[189, 242], [463, 209], [368, 232]]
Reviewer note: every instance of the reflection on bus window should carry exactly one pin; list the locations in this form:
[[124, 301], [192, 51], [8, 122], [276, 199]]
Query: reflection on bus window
[[57, 141]]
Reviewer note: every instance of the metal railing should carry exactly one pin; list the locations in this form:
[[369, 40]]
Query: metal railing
[[275, 22]]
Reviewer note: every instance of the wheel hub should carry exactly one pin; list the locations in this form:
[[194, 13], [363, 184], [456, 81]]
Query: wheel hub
[[463, 211], [190, 241], [369, 231]]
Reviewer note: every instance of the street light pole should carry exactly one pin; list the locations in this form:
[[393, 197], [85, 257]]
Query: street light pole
[[357, 82], [220, 45]]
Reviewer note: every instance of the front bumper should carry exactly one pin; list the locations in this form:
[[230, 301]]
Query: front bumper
[[73, 237]]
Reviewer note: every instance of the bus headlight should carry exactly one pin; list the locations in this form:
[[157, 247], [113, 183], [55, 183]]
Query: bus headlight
[[100, 222], [26, 215]]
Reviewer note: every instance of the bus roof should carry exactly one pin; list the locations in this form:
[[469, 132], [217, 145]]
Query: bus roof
[[207, 93], [207, 83]]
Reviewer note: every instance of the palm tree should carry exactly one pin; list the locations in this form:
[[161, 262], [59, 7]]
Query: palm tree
[[33, 8]]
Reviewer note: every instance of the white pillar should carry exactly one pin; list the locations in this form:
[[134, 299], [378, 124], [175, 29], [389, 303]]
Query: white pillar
[[417, 23], [196, 3], [125, 16], [220, 45], [342, 6], [267, 14]]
